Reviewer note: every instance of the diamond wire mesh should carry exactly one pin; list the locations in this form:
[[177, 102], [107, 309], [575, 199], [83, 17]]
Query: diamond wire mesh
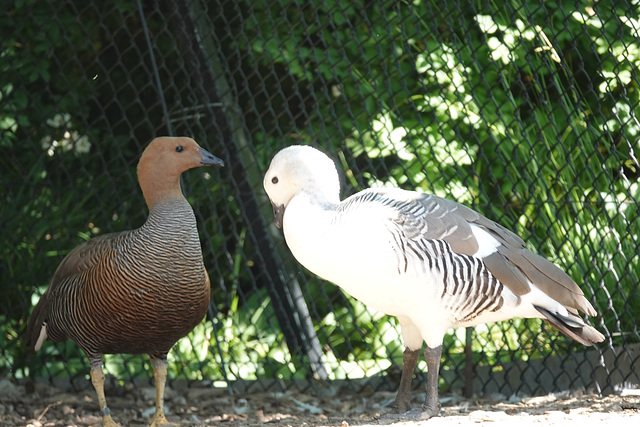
[[526, 112]]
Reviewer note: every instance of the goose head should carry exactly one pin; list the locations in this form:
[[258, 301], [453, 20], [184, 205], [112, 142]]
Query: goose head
[[297, 169]]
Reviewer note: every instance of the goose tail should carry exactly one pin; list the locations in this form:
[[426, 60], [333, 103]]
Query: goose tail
[[573, 327]]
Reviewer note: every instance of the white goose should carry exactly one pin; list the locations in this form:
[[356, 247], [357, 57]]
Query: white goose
[[431, 262]]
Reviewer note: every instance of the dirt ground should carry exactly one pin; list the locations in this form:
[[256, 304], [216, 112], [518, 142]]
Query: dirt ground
[[48, 406]]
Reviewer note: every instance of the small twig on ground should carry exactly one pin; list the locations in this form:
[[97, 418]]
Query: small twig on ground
[[49, 406]]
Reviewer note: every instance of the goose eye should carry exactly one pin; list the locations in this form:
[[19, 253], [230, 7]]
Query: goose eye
[[274, 180], [179, 149]]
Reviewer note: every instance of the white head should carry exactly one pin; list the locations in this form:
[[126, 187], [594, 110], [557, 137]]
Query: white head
[[300, 168]]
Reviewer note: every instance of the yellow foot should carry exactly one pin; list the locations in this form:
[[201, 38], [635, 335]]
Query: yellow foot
[[107, 421], [161, 421]]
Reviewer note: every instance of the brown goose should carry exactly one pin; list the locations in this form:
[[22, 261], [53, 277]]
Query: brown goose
[[431, 262], [138, 291]]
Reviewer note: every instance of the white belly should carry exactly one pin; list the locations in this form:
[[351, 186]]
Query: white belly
[[359, 259]]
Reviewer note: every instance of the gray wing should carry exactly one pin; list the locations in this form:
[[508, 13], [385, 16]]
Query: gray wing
[[425, 216]]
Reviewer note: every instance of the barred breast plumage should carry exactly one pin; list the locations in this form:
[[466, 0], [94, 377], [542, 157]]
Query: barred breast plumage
[[136, 291], [433, 263]]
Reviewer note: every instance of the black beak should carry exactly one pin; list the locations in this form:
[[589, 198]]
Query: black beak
[[209, 159], [278, 215]]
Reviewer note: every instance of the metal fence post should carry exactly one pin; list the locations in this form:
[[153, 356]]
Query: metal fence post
[[283, 288]]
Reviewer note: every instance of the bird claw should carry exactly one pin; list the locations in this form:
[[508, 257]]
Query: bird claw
[[415, 414], [399, 408], [427, 413], [161, 421], [107, 421]]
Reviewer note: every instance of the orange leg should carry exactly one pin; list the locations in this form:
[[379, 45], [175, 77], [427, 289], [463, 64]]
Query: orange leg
[[160, 376], [97, 379]]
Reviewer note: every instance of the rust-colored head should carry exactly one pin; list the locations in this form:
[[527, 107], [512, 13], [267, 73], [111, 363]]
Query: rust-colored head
[[162, 162]]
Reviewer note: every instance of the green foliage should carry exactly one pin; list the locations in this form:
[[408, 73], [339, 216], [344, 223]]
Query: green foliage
[[524, 111], [488, 106], [63, 160]]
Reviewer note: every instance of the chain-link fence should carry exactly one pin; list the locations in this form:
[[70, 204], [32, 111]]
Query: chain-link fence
[[525, 111]]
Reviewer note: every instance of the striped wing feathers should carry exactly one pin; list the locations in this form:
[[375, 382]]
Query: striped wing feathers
[[425, 216], [84, 256]]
